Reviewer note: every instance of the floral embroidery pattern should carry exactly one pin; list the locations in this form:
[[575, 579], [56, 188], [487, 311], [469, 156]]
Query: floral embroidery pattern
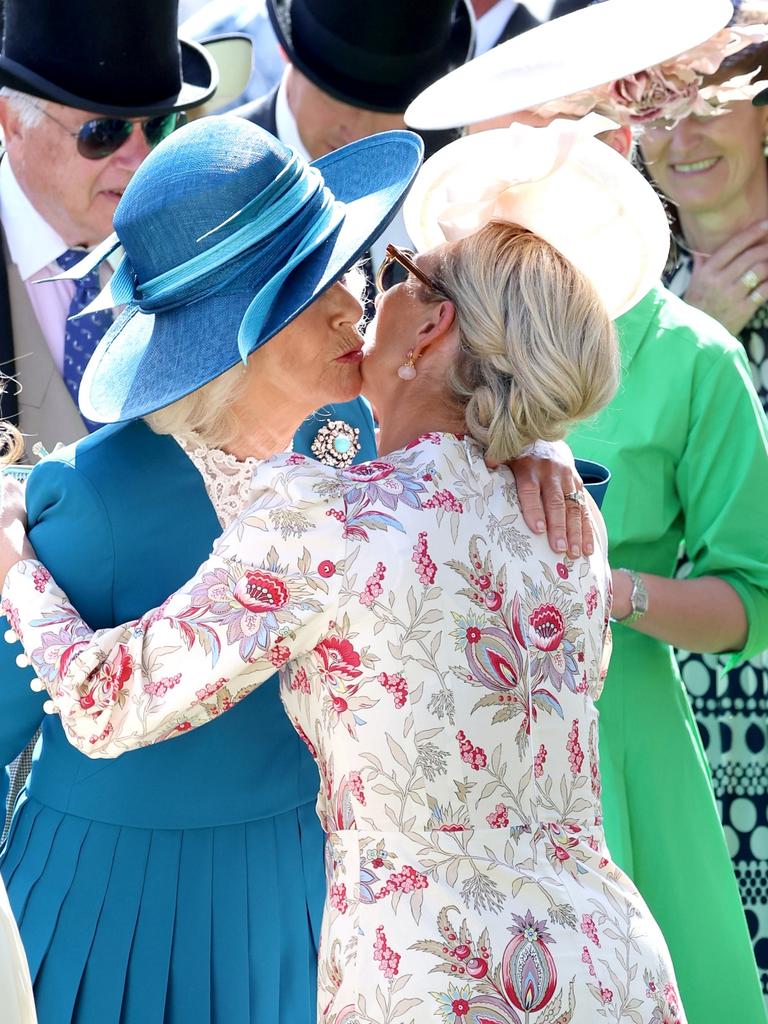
[[444, 682]]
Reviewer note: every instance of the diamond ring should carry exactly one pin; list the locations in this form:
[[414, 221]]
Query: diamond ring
[[750, 280], [576, 496]]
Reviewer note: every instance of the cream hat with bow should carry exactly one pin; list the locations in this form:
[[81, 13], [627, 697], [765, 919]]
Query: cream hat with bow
[[559, 182]]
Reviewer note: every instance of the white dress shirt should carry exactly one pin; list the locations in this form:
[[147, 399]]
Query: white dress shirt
[[490, 26], [34, 247]]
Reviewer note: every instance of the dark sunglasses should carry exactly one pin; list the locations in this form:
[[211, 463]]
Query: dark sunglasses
[[103, 136], [395, 268]]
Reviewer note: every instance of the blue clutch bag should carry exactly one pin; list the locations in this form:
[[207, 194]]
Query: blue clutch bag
[[596, 478]]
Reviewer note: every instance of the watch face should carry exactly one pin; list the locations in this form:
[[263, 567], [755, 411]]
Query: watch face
[[639, 597]]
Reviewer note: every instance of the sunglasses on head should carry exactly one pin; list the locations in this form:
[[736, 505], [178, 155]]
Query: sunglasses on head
[[103, 136], [397, 265]]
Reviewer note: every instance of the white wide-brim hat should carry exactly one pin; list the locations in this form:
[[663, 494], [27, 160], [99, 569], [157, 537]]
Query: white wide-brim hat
[[598, 44], [559, 182], [232, 54]]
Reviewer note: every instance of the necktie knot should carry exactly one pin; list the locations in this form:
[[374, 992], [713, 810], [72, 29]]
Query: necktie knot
[[70, 258]]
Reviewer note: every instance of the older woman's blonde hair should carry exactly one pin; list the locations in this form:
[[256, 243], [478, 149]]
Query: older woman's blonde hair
[[206, 416], [537, 349]]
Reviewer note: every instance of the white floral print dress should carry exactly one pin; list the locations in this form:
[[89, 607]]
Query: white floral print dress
[[442, 665]]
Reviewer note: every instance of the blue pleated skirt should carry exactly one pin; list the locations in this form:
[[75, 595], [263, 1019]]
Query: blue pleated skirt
[[127, 925]]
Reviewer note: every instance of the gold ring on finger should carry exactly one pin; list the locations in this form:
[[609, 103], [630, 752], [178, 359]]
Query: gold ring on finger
[[577, 496], [750, 280], [757, 297]]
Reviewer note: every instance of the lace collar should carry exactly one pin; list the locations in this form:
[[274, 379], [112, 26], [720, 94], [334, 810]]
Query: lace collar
[[227, 479]]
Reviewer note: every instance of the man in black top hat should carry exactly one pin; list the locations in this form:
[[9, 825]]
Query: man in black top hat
[[86, 90], [353, 69]]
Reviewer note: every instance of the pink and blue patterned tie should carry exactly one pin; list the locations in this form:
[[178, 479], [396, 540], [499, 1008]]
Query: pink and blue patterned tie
[[83, 335]]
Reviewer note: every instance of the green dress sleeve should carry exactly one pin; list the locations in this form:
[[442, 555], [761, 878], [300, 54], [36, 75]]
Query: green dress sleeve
[[722, 480]]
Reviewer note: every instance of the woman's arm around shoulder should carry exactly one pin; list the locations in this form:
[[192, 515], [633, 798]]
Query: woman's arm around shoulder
[[67, 527], [265, 595]]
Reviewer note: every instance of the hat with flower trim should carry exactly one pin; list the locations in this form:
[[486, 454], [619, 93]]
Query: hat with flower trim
[[633, 60]]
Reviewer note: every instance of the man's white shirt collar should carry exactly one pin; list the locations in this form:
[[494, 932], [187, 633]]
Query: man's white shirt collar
[[32, 242], [288, 133], [287, 128], [490, 26]]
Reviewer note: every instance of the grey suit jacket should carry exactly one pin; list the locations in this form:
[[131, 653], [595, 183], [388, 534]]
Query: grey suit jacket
[[46, 410]]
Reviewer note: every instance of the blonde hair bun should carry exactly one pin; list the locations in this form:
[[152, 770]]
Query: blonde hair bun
[[537, 349]]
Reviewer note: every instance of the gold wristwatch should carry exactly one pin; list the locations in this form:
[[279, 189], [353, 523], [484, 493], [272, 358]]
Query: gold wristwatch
[[638, 599]]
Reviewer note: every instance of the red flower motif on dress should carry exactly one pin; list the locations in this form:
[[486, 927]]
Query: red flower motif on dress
[[40, 577], [261, 591], [356, 785], [590, 601], [589, 928], [300, 681], [547, 627], [111, 678], [373, 586], [337, 897], [475, 757], [159, 687], [575, 753], [444, 500], [326, 569], [396, 685], [387, 959], [426, 568], [586, 958], [539, 761], [498, 818], [562, 570], [406, 881], [339, 658], [278, 655]]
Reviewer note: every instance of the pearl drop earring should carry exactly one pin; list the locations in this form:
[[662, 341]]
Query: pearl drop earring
[[407, 371]]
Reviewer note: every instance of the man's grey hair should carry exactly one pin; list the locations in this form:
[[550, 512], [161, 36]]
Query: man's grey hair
[[28, 108]]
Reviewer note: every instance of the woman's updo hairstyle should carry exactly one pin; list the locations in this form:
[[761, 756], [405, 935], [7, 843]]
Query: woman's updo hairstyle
[[537, 350]]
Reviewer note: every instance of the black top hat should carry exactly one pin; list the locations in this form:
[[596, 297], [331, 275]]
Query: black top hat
[[123, 59], [372, 54]]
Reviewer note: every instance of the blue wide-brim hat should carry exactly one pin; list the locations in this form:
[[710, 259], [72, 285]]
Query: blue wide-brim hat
[[228, 235]]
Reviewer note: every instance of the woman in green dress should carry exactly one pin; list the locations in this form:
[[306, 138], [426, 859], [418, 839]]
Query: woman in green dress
[[687, 444]]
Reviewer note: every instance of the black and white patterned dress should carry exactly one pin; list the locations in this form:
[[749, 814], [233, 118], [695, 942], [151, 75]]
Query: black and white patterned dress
[[732, 708]]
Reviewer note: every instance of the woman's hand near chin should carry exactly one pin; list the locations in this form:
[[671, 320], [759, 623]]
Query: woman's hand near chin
[[543, 479], [732, 283], [14, 545]]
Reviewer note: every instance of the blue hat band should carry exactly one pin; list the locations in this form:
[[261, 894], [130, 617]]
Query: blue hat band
[[297, 196]]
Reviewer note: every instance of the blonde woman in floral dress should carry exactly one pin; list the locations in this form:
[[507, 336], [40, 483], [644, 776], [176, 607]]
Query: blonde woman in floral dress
[[440, 662]]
